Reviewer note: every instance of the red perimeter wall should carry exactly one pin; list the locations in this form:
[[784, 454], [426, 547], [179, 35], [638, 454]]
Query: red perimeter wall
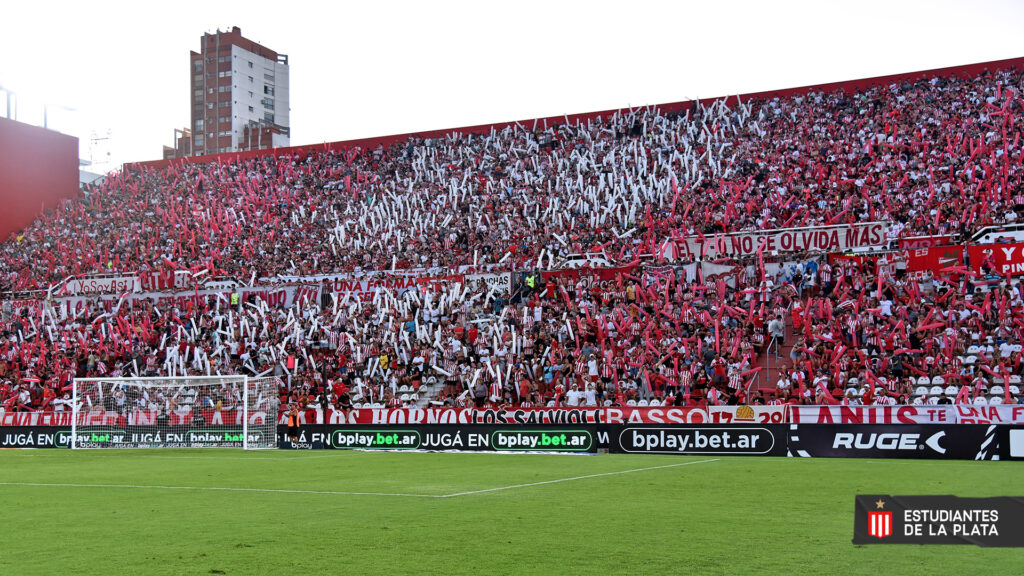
[[38, 169], [966, 70]]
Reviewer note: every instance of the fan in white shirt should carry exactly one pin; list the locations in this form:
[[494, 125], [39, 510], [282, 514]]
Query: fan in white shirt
[[573, 396]]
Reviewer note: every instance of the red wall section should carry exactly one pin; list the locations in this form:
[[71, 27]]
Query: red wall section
[[38, 169], [369, 143]]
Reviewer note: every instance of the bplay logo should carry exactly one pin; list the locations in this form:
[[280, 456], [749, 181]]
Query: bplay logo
[[376, 439], [697, 440], [556, 441], [222, 436]]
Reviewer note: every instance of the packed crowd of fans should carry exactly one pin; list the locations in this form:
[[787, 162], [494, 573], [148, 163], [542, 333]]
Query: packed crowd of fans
[[938, 156]]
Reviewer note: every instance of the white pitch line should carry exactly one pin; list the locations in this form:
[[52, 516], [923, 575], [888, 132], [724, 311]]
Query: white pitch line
[[268, 490], [576, 478], [218, 458], [339, 493]]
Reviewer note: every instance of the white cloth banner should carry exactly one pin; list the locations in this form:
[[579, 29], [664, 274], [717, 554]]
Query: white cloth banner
[[102, 285], [815, 239], [917, 414]]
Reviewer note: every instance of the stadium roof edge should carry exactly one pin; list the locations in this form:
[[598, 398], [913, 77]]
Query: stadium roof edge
[[855, 84]]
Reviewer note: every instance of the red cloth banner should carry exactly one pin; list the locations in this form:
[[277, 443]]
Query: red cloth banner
[[998, 259], [934, 258], [918, 242], [605, 278]]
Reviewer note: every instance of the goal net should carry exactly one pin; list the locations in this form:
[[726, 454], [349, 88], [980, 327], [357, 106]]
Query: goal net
[[182, 412]]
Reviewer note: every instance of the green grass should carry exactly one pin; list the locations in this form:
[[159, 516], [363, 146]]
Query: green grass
[[729, 516]]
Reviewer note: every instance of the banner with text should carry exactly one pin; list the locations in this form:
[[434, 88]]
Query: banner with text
[[813, 239], [604, 278], [998, 259], [934, 259], [767, 440], [530, 416], [918, 242], [449, 437], [101, 285], [916, 414], [929, 441]]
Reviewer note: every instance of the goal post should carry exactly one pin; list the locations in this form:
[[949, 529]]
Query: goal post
[[175, 412]]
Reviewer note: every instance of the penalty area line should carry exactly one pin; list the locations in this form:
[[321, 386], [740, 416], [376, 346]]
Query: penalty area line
[[556, 481]]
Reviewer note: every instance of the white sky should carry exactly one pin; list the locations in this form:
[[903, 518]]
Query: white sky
[[371, 68]]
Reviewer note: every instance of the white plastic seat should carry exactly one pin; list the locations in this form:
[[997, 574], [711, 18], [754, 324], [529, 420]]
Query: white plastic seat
[[973, 349], [551, 403], [404, 397], [630, 402], [995, 400], [641, 404], [403, 389], [933, 400], [996, 390], [938, 381], [1015, 379], [981, 400], [1015, 390], [921, 391], [654, 402], [923, 381], [918, 401], [970, 359], [935, 390], [951, 390], [854, 381]]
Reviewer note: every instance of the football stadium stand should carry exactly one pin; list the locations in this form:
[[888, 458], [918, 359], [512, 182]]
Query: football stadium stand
[[814, 245]]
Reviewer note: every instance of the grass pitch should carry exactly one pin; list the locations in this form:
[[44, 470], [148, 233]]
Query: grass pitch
[[270, 512]]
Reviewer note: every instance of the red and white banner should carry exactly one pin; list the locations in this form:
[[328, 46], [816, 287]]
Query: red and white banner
[[918, 242], [365, 288], [273, 295], [814, 239], [604, 278], [999, 414], [22, 303], [102, 285], [884, 264], [167, 280], [999, 259], [136, 418], [35, 419], [934, 259], [500, 283], [872, 414], [944, 414], [582, 415]]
